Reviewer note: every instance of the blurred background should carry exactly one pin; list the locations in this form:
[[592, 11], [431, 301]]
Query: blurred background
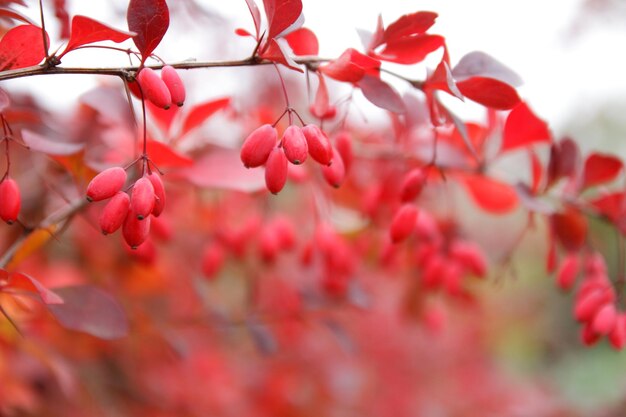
[[569, 54]]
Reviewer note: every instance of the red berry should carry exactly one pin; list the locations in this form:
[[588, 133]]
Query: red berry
[[617, 337], [276, 171], [106, 184], [142, 198], [212, 260], [343, 143], [318, 143], [403, 223], [586, 307], [295, 145], [153, 88], [258, 146], [336, 171], [159, 193], [10, 200], [605, 319], [470, 256], [174, 84], [114, 213], [412, 184], [568, 270], [135, 231], [269, 244], [588, 336]]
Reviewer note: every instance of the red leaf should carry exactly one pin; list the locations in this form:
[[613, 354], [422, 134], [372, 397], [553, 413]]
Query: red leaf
[[351, 66], [164, 156], [522, 128], [381, 94], [613, 206], [536, 170], [321, 104], [21, 47], [149, 19], [90, 310], [408, 25], [570, 228], [491, 195], [276, 53], [600, 168], [163, 117], [489, 92], [303, 42], [479, 64], [40, 143], [201, 112], [12, 14], [564, 160], [256, 16], [19, 283], [223, 169], [86, 30], [410, 50], [281, 14], [4, 100], [442, 79]]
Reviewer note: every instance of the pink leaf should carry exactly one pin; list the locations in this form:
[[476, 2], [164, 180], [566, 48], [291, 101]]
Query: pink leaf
[[411, 50], [201, 112], [489, 92], [223, 169], [40, 143], [600, 168], [491, 195], [523, 128], [90, 310], [149, 19], [479, 64], [303, 42], [381, 94], [21, 283], [281, 14], [21, 47], [442, 80], [86, 30]]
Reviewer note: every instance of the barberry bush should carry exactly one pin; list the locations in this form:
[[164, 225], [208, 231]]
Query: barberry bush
[[272, 252]]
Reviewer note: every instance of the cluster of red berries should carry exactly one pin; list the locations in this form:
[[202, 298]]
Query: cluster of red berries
[[595, 304], [262, 147], [161, 91], [10, 200], [132, 213]]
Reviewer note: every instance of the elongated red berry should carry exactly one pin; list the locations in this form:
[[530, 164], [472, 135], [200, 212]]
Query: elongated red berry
[[335, 173], [258, 146], [159, 193], [469, 255], [343, 143], [142, 198], [113, 215], [213, 257], [605, 319], [276, 170], [154, 89], [412, 184], [295, 145], [586, 307], [617, 337], [172, 80], [10, 200], [567, 272], [319, 145], [106, 184], [403, 223], [135, 231]]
